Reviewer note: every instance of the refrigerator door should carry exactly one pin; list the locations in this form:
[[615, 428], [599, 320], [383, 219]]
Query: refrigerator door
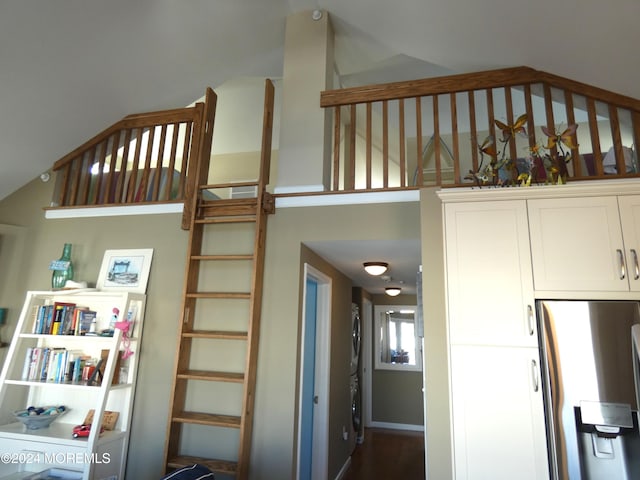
[[588, 357]]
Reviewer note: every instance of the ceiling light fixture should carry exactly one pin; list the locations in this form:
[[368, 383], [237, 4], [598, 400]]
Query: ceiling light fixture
[[375, 268], [392, 291]]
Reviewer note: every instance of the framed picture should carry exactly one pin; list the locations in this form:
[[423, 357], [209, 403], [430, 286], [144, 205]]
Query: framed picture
[[125, 270]]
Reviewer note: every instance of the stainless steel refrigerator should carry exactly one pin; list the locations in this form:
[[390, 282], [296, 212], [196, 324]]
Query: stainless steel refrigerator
[[589, 375]]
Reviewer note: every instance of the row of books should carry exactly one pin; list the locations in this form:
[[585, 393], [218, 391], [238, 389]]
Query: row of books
[[58, 365], [63, 318]]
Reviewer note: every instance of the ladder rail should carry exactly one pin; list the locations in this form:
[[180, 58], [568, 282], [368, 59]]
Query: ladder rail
[[214, 212]]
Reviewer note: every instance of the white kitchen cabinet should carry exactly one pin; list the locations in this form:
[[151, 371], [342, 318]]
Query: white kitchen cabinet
[[489, 279], [498, 416], [98, 456], [630, 219], [497, 408], [585, 243]]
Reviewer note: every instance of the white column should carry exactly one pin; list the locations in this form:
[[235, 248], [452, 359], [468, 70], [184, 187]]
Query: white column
[[305, 143]]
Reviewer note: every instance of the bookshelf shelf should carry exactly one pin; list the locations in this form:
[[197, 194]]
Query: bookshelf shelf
[[55, 369]]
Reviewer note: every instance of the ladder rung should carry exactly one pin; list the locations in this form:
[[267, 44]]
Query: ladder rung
[[237, 219], [222, 257], [210, 419], [218, 295], [212, 376], [217, 334], [217, 466]]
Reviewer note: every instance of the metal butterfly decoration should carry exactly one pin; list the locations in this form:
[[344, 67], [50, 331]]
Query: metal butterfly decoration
[[555, 138], [510, 131]]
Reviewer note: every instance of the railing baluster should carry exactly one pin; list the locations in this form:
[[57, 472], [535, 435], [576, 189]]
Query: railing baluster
[[548, 108], [571, 119], [454, 138], [510, 121], [436, 140], [368, 146], [85, 175], [402, 139], [122, 178], [172, 162], [97, 179], [531, 124], [186, 154], [491, 114], [159, 161], [112, 167], [133, 179], [474, 130], [336, 147], [385, 144], [419, 177], [635, 119], [75, 170], [352, 152], [617, 140], [595, 136]]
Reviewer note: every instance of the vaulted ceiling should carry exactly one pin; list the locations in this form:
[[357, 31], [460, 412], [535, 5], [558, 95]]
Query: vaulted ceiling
[[70, 68]]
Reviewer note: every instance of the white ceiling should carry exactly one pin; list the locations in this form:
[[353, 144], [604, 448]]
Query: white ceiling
[[403, 257], [70, 68]]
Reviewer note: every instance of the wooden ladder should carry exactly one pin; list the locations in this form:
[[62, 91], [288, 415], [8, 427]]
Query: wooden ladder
[[202, 372]]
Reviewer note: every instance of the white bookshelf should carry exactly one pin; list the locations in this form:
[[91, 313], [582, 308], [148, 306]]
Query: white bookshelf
[[100, 455]]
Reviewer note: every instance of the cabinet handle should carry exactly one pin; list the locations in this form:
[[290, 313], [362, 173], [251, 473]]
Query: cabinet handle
[[534, 375], [530, 319], [636, 267], [623, 268]]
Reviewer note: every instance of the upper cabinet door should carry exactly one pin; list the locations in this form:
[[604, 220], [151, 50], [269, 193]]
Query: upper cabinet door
[[630, 217], [489, 279], [576, 244]]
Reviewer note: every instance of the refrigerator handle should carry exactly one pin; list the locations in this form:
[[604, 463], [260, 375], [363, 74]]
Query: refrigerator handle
[[530, 319], [534, 375], [636, 267], [623, 269]]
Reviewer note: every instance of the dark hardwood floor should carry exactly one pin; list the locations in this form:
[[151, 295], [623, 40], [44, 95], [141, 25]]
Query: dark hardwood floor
[[388, 455]]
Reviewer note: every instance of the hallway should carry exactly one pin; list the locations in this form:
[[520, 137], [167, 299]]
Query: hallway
[[388, 455]]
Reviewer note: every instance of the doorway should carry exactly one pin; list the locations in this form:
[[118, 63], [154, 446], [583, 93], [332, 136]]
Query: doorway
[[314, 376]]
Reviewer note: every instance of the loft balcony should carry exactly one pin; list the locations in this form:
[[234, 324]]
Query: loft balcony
[[500, 128]]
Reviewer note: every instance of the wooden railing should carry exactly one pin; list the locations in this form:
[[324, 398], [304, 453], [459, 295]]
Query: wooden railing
[[144, 158], [501, 127]]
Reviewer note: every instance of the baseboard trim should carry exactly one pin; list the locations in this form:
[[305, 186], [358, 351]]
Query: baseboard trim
[[343, 470], [398, 426]]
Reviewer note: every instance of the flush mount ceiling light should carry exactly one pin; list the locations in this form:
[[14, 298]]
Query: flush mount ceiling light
[[375, 268], [392, 291]]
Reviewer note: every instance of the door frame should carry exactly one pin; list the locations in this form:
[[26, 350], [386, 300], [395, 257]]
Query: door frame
[[365, 358], [320, 436]]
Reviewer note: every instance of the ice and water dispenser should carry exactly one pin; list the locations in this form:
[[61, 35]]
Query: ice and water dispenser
[[609, 441]]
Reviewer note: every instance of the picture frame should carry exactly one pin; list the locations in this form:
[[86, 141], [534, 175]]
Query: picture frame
[[125, 270]]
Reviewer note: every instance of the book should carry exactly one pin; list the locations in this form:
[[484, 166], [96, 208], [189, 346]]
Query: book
[[35, 363], [48, 319], [27, 364], [42, 371], [75, 321], [86, 318], [61, 318], [67, 320]]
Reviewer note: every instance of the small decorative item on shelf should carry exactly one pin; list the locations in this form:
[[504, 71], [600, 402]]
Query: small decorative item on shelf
[[62, 268], [35, 418], [548, 167]]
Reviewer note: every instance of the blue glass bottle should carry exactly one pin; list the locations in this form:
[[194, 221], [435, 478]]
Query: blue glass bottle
[[60, 277]]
